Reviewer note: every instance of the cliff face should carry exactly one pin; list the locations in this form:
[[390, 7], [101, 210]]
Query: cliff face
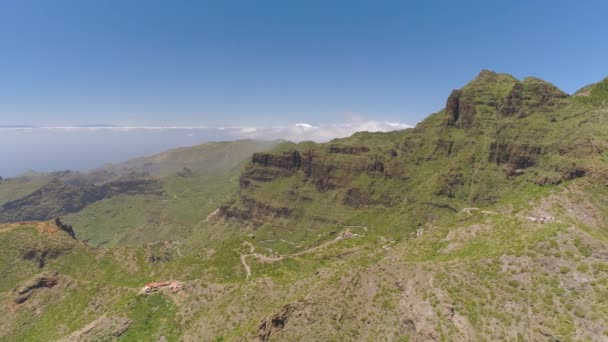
[[499, 195], [495, 134]]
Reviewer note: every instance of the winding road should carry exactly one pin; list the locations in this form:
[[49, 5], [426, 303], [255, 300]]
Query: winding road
[[267, 258]]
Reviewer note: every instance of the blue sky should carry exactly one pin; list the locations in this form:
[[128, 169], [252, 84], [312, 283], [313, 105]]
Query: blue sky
[[268, 63]]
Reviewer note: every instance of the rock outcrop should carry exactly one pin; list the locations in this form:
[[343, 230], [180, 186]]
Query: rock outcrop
[[289, 160], [348, 149], [517, 156], [66, 228], [45, 280], [277, 321], [102, 329]]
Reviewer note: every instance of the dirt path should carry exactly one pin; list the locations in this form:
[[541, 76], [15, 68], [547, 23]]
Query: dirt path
[[247, 268], [267, 258], [469, 210]]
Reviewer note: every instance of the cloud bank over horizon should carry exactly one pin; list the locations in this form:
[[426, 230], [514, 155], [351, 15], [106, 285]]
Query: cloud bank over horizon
[[85, 147], [319, 133], [294, 132]]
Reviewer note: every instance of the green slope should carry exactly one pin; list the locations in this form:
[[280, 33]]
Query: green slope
[[148, 199], [428, 234], [212, 157]]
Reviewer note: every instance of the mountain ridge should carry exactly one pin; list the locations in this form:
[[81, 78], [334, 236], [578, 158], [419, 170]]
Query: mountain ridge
[[486, 221]]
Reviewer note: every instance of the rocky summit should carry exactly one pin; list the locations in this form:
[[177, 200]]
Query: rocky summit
[[485, 222]]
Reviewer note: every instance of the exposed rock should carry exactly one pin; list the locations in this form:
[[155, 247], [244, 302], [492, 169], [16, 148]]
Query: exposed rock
[[348, 149], [318, 170], [529, 96], [276, 322], [288, 160], [160, 251], [356, 198], [518, 156], [377, 166], [541, 95], [229, 212], [261, 174], [186, 172], [102, 329], [451, 183], [452, 107], [258, 208], [512, 104], [254, 211], [443, 148], [26, 290], [66, 228], [460, 110]]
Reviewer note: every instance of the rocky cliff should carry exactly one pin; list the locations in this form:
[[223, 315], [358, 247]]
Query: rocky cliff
[[496, 134]]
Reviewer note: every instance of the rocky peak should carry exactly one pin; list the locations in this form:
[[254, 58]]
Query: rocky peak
[[494, 94]]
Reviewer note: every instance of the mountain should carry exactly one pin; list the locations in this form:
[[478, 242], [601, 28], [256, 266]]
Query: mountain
[[485, 222], [168, 193], [207, 158]]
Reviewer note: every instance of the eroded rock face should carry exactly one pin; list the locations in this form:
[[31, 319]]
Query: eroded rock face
[[102, 329], [460, 110], [265, 174], [279, 320], [540, 95], [289, 160], [518, 156], [348, 149], [513, 103], [66, 228], [254, 211], [451, 183], [45, 280], [529, 96], [452, 107]]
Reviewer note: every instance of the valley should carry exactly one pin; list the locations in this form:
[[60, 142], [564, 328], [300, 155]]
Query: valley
[[485, 222]]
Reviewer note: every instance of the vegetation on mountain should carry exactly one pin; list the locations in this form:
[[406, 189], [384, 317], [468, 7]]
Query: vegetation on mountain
[[140, 201], [484, 222]]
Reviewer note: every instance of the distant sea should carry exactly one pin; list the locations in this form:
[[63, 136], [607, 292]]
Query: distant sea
[[82, 148], [25, 149]]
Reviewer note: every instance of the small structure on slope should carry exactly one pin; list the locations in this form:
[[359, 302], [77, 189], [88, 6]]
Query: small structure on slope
[[173, 285], [543, 219]]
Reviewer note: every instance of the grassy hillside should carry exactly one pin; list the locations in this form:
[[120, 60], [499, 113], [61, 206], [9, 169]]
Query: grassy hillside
[[486, 222], [213, 157], [162, 197], [132, 220], [15, 188]]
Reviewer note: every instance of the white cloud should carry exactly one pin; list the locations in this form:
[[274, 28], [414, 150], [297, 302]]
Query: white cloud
[[248, 130], [296, 132], [320, 133]]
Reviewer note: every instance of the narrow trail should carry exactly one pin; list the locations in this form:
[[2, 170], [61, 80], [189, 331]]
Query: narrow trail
[[268, 258], [247, 268]]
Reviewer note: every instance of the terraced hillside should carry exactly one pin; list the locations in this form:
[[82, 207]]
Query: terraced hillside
[[486, 222]]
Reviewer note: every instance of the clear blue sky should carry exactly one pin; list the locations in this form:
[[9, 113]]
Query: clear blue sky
[[274, 62]]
